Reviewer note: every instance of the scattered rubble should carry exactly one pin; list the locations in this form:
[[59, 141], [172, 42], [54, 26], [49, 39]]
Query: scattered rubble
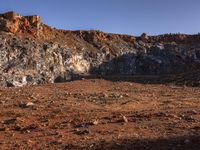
[[154, 116]]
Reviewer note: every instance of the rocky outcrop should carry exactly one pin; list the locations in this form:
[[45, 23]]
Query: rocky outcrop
[[13, 23], [34, 53]]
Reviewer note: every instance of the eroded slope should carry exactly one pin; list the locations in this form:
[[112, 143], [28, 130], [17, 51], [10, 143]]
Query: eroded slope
[[33, 53]]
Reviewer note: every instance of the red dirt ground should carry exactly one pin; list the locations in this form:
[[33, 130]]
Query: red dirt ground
[[100, 114]]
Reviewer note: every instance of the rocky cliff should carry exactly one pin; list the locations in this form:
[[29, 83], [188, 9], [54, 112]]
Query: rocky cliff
[[33, 53]]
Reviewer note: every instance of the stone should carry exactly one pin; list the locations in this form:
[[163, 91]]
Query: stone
[[26, 104], [125, 119], [95, 122], [82, 131], [29, 104]]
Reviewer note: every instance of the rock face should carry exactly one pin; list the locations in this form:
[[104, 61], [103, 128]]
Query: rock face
[[13, 22], [34, 53]]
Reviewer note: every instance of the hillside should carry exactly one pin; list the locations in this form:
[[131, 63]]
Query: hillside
[[33, 53]]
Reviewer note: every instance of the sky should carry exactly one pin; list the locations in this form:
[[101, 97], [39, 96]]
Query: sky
[[132, 17]]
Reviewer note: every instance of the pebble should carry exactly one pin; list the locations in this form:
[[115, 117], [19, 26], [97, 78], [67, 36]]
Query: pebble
[[125, 119], [27, 105], [82, 131], [95, 122]]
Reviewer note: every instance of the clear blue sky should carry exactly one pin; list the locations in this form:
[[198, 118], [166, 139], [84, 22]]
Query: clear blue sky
[[117, 16]]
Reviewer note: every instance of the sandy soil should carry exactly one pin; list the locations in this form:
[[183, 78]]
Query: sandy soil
[[100, 114]]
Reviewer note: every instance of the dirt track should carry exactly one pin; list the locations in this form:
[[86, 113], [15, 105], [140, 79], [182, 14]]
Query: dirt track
[[100, 114]]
